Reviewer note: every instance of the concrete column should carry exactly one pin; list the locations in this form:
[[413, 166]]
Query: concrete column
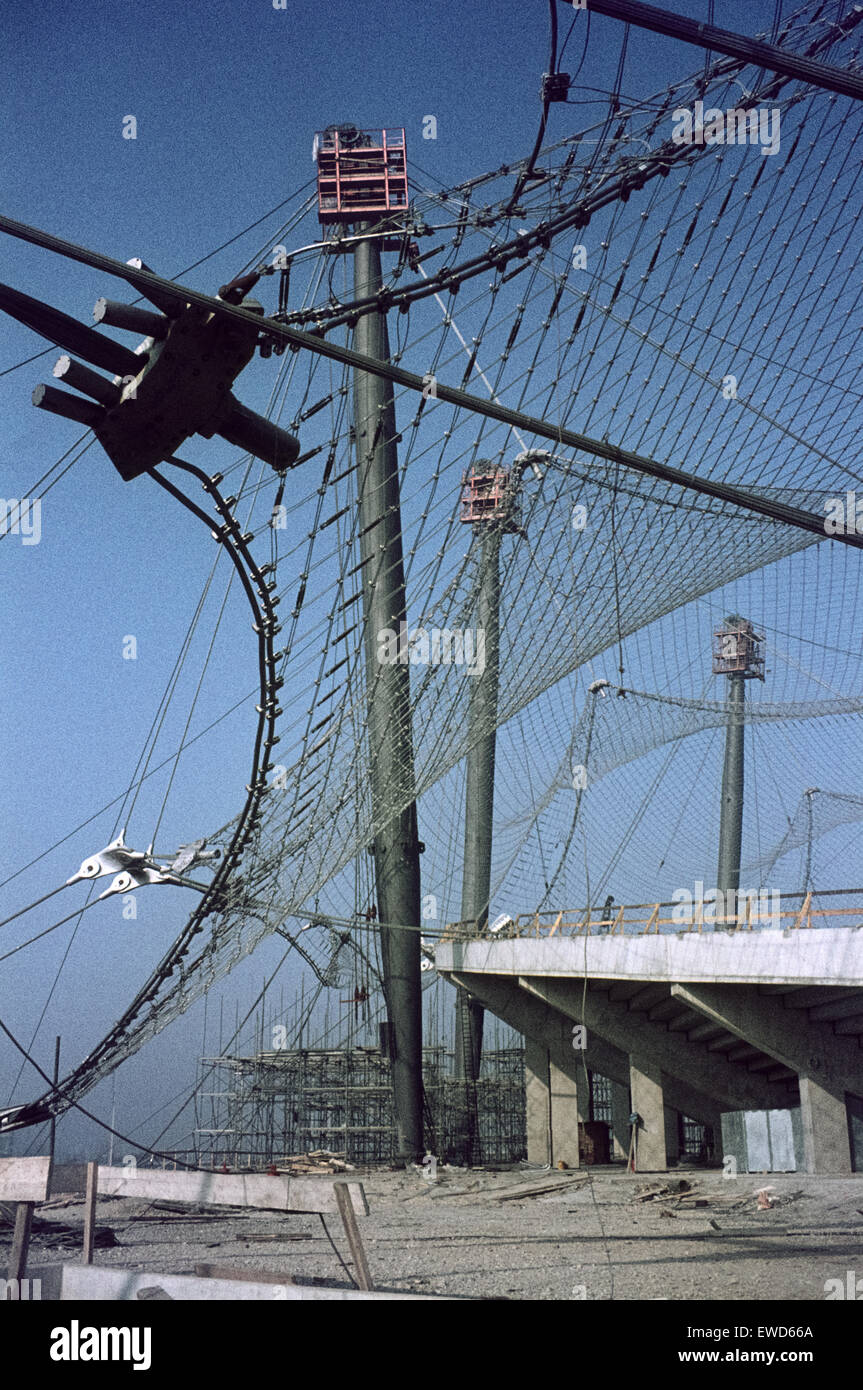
[[672, 1135], [826, 1141], [620, 1112], [647, 1101], [567, 1103], [531, 1016], [583, 1090], [730, 1085], [552, 1104], [537, 1095]]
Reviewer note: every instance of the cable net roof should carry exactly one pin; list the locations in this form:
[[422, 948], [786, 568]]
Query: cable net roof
[[696, 304]]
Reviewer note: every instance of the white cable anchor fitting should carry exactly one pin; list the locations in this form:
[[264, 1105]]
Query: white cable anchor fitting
[[138, 878], [137, 868], [109, 860]]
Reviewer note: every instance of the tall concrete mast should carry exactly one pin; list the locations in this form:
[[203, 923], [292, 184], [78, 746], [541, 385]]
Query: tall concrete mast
[[736, 655], [362, 182], [489, 504], [396, 843]]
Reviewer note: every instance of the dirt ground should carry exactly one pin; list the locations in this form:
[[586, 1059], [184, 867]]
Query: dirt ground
[[587, 1238]]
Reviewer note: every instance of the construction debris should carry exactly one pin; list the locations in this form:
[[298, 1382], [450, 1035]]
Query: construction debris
[[175, 1208], [685, 1196], [682, 1196], [532, 1189], [57, 1232], [195, 1215], [787, 1198], [445, 1190], [278, 1235], [315, 1161], [647, 1194]]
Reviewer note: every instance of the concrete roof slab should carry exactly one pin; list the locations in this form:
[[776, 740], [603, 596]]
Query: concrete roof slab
[[830, 956]]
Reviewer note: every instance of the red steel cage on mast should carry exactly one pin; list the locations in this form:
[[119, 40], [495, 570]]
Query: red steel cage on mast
[[362, 174], [490, 493], [738, 650]]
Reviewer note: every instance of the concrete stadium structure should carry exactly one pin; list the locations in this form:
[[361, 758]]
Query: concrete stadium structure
[[689, 1022]]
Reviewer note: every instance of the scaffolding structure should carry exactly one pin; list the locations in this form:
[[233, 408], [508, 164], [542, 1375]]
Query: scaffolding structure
[[255, 1111], [496, 1100]]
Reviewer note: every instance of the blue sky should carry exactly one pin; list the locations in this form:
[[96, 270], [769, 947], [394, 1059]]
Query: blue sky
[[227, 99]]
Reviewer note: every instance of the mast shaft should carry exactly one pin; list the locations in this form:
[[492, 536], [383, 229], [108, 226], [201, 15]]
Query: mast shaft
[[396, 846], [731, 814], [479, 792]]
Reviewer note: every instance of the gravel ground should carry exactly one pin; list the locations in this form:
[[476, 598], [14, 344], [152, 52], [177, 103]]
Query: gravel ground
[[588, 1239]]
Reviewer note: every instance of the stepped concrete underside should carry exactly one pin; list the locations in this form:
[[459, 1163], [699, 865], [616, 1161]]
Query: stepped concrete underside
[[688, 1022]]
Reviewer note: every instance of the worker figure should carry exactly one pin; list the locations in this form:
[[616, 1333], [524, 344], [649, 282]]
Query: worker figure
[[607, 916]]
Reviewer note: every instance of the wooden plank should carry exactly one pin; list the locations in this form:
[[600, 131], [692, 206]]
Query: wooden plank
[[352, 1231], [102, 1283], [21, 1241], [256, 1190], [532, 1189], [805, 912], [652, 921], [274, 1236], [24, 1179], [249, 1276], [90, 1212]]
